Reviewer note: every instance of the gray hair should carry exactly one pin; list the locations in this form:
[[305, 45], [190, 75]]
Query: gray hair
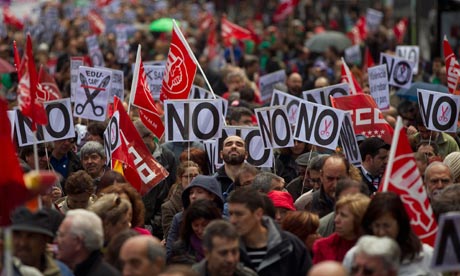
[[92, 147], [88, 226], [263, 181], [317, 162], [437, 163], [380, 247]]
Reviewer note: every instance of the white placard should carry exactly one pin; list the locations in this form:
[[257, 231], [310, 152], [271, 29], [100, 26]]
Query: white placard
[[411, 53], [446, 254], [373, 19], [268, 81], [95, 54], [399, 70], [118, 85], [274, 126], [378, 84], [353, 55], [154, 74], [75, 63], [349, 142], [322, 95], [439, 111], [291, 103], [201, 93]]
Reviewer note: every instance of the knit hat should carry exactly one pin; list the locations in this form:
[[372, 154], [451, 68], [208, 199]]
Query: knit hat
[[452, 160], [282, 200]]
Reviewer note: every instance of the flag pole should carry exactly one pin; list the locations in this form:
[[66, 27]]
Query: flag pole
[[8, 251], [391, 157], [37, 168], [135, 77]]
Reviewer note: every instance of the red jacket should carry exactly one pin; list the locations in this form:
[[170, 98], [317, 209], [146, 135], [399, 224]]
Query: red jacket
[[332, 248]]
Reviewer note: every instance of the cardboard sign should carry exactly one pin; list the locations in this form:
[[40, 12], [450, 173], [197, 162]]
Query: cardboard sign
[[93, 90], [446, 255], [291, 103], [201, 93], [318, 125], [154, 74], [118, 85], [75, 63], [210, 146], [122, 52], [373, 19], [411, 53], [378, 84], [439, 110], [257, 155], [95, 54], [348, 141], [274, 126], [112, 136], [192, 120], [268, 81], [60, 124], [399, 70], [322, 95], [353, 55]]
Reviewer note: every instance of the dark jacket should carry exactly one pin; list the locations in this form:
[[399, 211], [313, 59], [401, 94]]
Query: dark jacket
[[368, 183], [296, 188], [286, 254], [170, 208], [223, 179], [94, 265], [321, 204], [183, 253], [241, 270]]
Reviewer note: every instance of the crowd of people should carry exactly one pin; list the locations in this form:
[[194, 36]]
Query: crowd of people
[[312, 213]]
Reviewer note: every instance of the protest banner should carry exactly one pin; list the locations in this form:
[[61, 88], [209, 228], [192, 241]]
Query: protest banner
[[192, 120], [446, 256], [373, 19], [318, 124], [439, 110], [210, 146], [411, 53], [60, 124], [349, 142], [452, 68], [95, 54], [75, 63], [322, 95], [399, 70], [122, 52], [154, 75], [93, 90], [268, 81], [291, 103], [378, 84], [201, 93], [274, 126]]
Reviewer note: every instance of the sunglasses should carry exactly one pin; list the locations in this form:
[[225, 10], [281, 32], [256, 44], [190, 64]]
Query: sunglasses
[[365, 270], [42, 153]]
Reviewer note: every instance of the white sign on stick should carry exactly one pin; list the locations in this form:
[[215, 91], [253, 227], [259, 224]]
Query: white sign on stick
[[75, 63], [268, 81], [274, 126], [349, 142], [291, 102], [399, 70], [378, 84], [154, 74], [411, 53], [439, 110], [322, 95], [201, 93]]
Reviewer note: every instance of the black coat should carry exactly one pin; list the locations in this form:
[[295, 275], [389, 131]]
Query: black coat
[[94, 265]]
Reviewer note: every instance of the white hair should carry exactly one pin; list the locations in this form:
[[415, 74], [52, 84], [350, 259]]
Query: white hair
[[380, 247], [88, 226]]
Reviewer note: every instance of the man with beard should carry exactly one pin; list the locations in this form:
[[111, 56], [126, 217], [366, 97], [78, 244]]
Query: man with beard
[[233, 153], [294, 84]]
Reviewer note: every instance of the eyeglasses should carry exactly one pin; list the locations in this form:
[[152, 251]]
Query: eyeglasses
[[365, 270]]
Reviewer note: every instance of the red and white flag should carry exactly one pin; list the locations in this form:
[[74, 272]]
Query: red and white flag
[[10, 19], [400, 30], [452, 67], [367, 118], [47, 87], [232, 31], [180, 68], [142, 98], [139, 166], [96, 22], [284, 9], [28, 101], [358, 33], [403, 177], [348, 77]]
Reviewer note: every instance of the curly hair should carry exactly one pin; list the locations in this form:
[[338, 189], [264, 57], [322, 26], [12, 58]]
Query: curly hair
[[79, 182]]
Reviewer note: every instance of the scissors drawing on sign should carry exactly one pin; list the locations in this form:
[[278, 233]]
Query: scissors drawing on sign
[[443, 117], [325, 131], [97, 109]]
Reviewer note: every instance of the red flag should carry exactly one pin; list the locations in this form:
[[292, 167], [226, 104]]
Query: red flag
[[400, 30], [96, 22], [348, 77], [358, 33], [47, 87], [284, 9], [368, 60], [180, 69], [403, 177], [136, 154], [366, 116], [10, 19], [17, 61], [452, 67], [231, 30], [28, 102], [103, 3]]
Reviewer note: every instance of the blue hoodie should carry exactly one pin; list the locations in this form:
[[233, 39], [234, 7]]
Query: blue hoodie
[[208, 183]]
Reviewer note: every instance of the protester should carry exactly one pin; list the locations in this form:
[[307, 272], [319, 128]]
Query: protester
[[112, 252], [374, 154], [437, 177], [142, 255], [285, 165], [265, 182], [304, 225], [301, 183], [63, 158], [283, 204], [79, 188], [453, 162], [327, 268], [314, 176], [93, 159]]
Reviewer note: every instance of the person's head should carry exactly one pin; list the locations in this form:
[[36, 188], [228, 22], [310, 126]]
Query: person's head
[[233, 150], [196, 217], [43, 152], [146, 135], [452, 160], [178, 270], [112, 252], [447, 201], [62, 147], [429, 149], [327, 268], [266, 181], [95, 132], [126, 191], [235, 80], [240, 116], [109, 178], [437, 177], [93, 158], [79, 235], [246, 209], [115, 213], [294, 84], [186, 172], [348, 186], [426, 134], [422, 162], [221, 247], [349, 211], [334, 168], [321, 82], [304, 225], [142, 255], [374, 153], [386, 216], [407, 110], [314, 170], [283, 202], [203, 187], [376, 256], [198, 156], [31, 232], [302, 161], [79, 187], [245, 175]]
